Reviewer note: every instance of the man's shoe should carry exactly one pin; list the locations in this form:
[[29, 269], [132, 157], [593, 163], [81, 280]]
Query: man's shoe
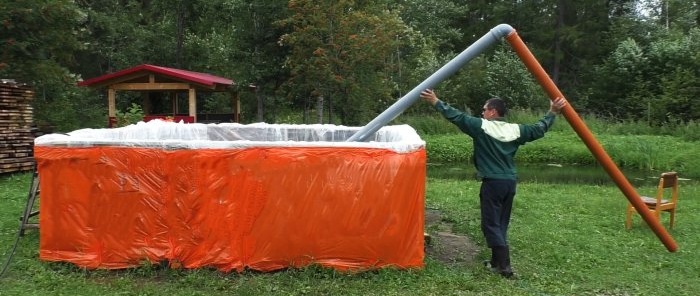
[[490, 266], [502, 261], [507, 273], [493, 263]]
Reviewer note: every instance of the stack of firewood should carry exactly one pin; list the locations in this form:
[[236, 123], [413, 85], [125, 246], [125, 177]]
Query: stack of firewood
[[16, 119]]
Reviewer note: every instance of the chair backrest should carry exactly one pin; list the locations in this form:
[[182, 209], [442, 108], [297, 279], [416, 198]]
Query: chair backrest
[[667, 180]]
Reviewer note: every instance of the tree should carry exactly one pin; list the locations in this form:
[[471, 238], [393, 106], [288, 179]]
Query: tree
[[653, 73], [39, 41], [681, 15], [257, 53], [439, 20], [675, 63], [340, 51], [350, 59], [38, 38], [622, 75]]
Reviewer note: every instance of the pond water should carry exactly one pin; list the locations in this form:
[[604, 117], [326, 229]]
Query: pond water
[[551, 173]]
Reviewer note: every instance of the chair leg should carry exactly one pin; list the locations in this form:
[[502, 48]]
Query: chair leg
[[673, 217], [657, 213], [628, 220]]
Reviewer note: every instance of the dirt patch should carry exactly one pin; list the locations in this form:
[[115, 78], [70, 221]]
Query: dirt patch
[[445, 246]]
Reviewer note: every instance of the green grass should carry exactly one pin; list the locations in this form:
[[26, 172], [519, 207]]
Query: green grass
[[630, 144], [434, 124], [566, 240], [571, 240], [642, 152]]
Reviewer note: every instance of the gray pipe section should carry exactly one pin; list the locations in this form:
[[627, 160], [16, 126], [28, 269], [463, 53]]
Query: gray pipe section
[[493, 36]]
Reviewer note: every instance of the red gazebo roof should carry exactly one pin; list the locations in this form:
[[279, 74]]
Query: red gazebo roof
[[204, 79]]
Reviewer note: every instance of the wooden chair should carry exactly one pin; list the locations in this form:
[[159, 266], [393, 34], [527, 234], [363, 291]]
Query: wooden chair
[[665, 200]]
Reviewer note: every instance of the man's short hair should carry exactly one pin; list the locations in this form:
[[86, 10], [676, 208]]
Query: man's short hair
[[498, 104]]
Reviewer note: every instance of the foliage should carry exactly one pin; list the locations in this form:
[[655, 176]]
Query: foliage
[[39, 44], [500, 75], [630, 144], [255, 54], [651, 153], [66, 107], [449, 148], [676, 64], [656, 82], [359, 56], [442, 20], [121, 35], [132, 115], [342, 51], [429, 124], [39, 39], [508, 79], [617, 79]]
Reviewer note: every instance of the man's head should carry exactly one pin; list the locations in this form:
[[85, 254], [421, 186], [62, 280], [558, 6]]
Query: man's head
[[494, 108]]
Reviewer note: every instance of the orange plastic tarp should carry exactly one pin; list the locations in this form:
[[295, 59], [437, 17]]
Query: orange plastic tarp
[[231, 209]]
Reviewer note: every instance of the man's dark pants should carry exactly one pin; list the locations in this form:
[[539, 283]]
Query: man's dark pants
[[496, 198]]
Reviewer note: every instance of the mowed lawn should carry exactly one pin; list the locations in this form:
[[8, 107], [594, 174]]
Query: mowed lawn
[[567, 239]]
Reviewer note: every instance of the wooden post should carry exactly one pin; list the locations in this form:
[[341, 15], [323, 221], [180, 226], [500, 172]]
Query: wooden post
[[111, 107], [236, 100], [111, 102], [193, 103], [173, 102]]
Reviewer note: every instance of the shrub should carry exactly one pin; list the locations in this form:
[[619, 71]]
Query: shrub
[[132, 115]]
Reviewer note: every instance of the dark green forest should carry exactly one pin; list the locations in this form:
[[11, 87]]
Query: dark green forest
[[345, 61]]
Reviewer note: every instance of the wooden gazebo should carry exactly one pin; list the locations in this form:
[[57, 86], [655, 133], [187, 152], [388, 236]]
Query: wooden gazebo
[[149, 79]]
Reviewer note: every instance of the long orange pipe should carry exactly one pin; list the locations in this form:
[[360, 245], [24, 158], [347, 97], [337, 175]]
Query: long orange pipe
[[585, 134]]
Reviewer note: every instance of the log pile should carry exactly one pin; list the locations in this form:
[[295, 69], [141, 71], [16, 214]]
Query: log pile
[[16, 119]]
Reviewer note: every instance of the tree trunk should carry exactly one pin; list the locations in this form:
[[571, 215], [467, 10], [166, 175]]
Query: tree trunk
[[319, 109], [557, 41], [180, 35], [261, 114], [306, 110], [330, 110]]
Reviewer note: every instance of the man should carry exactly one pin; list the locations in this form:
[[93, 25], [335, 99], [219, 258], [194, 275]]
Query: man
[[495, 144]]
